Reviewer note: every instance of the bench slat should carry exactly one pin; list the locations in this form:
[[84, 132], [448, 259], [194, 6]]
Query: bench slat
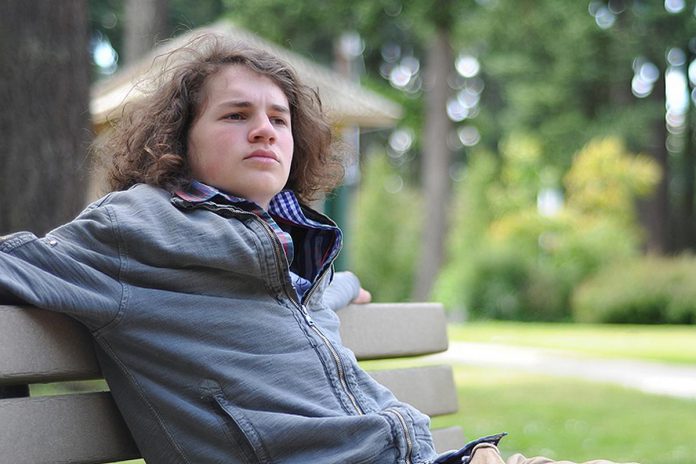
[[43, 346], [430, 389], [85, 428], [383, 330], [447, 439]]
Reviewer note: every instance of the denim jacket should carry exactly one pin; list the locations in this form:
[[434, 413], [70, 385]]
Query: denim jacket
[[209, 354]]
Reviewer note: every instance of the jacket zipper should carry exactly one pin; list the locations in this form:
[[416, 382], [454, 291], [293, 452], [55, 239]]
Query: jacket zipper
[[280, 253], [337, 360], [303, 309], [407, 436]]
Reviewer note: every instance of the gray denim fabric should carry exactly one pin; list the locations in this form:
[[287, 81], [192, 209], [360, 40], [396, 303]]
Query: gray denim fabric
[[209, 356]]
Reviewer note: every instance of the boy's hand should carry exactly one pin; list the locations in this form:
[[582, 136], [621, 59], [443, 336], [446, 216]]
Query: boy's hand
[[363, 297]]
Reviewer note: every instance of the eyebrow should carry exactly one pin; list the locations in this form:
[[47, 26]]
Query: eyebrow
[[247, 104]]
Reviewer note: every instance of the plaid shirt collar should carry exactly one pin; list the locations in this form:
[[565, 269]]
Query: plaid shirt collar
[[321, 242]]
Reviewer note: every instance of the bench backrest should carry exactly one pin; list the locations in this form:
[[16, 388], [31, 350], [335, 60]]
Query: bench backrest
[[38, 346]]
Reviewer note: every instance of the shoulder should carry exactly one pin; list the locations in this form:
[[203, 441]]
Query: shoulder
[[145, 216], [139, 194], [110, 215], [140, 204]]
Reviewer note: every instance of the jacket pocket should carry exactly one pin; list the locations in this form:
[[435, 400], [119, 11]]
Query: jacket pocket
[[236, 426], [400, 422]]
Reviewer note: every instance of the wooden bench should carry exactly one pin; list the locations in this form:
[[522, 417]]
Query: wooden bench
[[39, 347]]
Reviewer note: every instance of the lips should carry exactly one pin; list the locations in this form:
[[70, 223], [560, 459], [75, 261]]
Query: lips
[[262, 154]]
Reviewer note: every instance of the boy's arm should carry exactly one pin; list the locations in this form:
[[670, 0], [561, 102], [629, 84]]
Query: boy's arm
[[74, 269], [345, 289]]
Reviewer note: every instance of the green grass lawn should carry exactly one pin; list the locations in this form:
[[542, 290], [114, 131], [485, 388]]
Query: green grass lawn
[[576, 420], [673, 344], [571, 419]]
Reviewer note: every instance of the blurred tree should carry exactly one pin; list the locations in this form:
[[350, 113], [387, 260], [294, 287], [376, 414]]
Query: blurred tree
[[549, 70], [44, 118], [569, 71], [659, 38], [109, 21], [436, 153], [146, 22]]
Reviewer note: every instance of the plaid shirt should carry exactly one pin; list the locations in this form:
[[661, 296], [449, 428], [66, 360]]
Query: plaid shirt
[[320, 242]]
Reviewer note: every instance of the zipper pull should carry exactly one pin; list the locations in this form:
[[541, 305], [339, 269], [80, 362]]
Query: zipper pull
[[306, 315]]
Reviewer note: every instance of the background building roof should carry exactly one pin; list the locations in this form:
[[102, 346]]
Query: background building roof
[[345, 102]]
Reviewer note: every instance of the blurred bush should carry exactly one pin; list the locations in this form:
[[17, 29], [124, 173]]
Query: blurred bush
[[385, 231], [510, 257], [649, 290], [605, 180], [510, 285]]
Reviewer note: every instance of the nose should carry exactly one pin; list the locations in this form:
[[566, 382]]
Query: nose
[[261, 129]]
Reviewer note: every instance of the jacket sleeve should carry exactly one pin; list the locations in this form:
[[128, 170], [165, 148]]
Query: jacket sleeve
[[74, 269], [343, 289]]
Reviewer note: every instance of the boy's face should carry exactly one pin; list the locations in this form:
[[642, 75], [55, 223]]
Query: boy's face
[[241, 142]]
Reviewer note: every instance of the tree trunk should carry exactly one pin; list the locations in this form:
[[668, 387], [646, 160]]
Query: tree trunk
[[655, 211], [146, 23], [435, 164], [44, 116], [688, 215]]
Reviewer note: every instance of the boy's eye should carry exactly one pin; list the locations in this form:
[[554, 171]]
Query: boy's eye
[[234, 116], [279, 121]]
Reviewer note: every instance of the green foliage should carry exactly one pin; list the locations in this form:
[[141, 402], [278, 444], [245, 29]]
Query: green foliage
[[530, 263], [308, 27], [651, 290], [605, 180], [509, 260], [312, 27], [385, 232], [520, 173], [541, 81], [509, 285]]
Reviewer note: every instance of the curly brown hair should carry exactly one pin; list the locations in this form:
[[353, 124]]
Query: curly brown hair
[[148, 143]]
